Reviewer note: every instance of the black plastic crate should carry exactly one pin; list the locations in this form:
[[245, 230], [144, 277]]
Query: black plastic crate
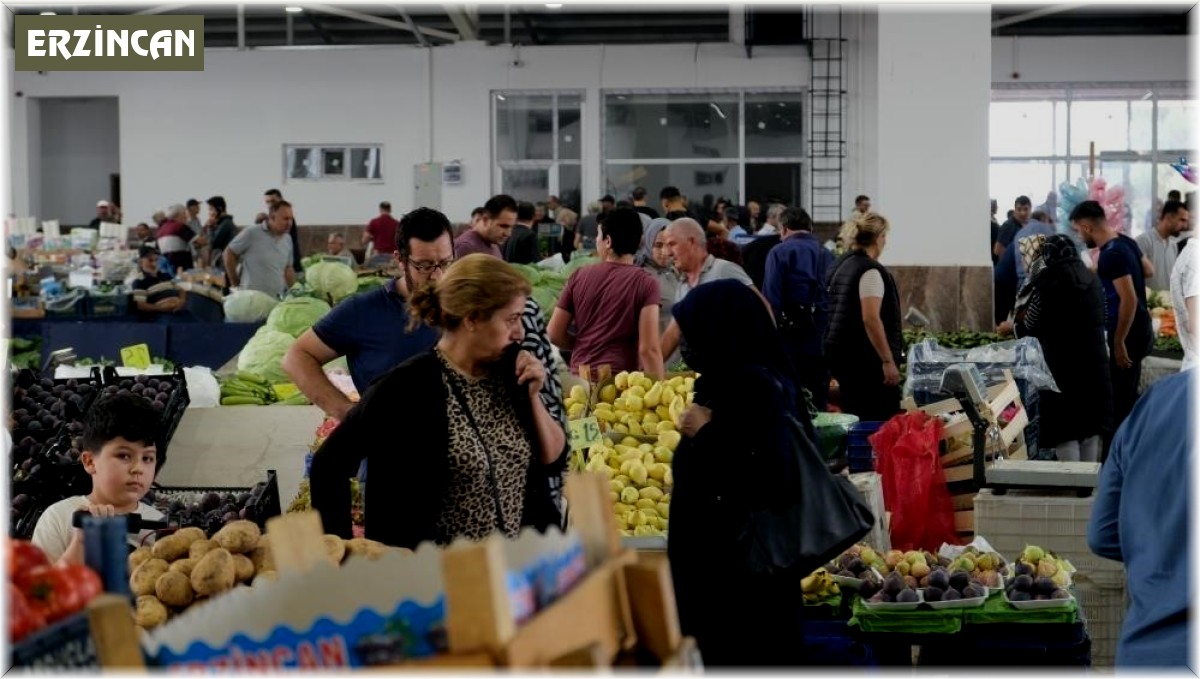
[[59, 479], [26, 378], [174, 407], [267, 506]]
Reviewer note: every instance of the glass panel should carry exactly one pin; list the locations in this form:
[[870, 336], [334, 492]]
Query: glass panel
[[1021, 128], [524, 127], [526, 184], [774, 125], [1060, 128], [701, 184], [774, 182], [671, 126], [303, 162], [1103, 122], [1009, 179], [1176, 119], [1141, 125], [570, 180], [569, 130]]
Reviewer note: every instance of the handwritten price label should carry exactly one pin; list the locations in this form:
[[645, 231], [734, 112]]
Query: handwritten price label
[[584, 433], [136, 356]]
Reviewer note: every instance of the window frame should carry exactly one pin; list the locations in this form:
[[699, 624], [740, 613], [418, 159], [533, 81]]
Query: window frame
[[552, 164], [346, 177]]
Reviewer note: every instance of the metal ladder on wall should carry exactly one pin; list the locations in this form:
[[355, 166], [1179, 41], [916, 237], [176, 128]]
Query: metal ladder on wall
[[826, 95]]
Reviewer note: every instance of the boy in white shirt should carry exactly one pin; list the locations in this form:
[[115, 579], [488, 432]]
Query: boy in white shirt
[[119, 452]]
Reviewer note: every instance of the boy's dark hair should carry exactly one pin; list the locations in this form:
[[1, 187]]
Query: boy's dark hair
[[276, 207], [624, 226], [1088, 209], [1172, 206], [217, 203], [795, 219], [385, 206], [424, 224], [273, 192], [193, 201], [860, 198], [1022, 200], [525, 211], [669, 193], [499, 203], [126, 416], [638, 193]]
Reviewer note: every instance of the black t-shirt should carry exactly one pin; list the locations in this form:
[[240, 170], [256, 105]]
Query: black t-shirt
[[1008, 232], [647, 210], [1122, 257]]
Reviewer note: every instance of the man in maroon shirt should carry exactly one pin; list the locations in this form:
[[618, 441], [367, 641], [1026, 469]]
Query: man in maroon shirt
[[490, 231], [614, 304], [382, 231]]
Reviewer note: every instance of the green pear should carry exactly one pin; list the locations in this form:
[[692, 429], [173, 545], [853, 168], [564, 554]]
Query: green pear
[[1033, 554]]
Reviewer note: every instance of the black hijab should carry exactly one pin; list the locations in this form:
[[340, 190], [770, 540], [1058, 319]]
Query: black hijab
[[716, 320]]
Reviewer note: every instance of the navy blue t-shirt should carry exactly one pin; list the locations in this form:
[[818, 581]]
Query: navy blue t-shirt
[[1121, 257], [371, 331]]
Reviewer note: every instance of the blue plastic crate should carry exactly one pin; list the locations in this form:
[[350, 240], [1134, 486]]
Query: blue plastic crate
[[860, 459], [860, 432]]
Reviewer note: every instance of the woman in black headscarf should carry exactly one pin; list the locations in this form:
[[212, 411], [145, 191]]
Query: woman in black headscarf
[[1063, 307], [730, 462]]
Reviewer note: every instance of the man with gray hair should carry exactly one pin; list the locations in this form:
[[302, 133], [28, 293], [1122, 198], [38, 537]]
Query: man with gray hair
[[175, 238], [771, 226], [689, 245]]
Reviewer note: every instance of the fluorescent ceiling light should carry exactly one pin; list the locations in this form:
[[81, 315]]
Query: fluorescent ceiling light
[[501, 97], [49, 14], [293, 10], [717, 109], [553, 5]]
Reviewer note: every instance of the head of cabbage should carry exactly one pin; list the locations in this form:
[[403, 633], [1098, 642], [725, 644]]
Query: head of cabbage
[[263, 354], [248, 306], [331, 281], [296, 315]]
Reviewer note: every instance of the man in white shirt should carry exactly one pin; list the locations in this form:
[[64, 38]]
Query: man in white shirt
[[1185, 288], [1161, 244], [771, 226]]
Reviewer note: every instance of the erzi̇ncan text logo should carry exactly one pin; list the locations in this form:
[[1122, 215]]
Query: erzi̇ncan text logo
[[110, 42]]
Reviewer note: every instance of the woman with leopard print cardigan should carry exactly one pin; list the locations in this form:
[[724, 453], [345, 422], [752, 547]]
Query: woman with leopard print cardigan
[[462, 443]]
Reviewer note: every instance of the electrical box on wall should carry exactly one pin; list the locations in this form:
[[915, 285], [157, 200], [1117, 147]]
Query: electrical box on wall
[[427, 185], [452, 172]]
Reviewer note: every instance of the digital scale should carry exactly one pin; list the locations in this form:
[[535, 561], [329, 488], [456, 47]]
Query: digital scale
[[964, 383]]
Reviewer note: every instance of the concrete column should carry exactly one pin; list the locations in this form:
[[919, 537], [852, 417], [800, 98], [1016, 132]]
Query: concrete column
[[933, 91]]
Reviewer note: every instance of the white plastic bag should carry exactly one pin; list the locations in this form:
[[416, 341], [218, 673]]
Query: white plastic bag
[[203, 388]]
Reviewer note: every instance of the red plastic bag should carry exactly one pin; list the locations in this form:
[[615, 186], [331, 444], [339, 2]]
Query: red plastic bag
[[914, 486]]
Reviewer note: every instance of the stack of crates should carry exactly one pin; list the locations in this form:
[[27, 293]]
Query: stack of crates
[[1058, 521], [860, 455]]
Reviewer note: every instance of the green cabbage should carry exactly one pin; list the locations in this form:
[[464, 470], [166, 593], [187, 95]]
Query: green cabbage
[[576, 264], [248, 306], [263, 354], [296, 315], [332, 281]]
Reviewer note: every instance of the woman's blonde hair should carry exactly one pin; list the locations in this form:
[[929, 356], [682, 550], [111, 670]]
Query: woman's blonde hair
[[863, 231], [474, 287]]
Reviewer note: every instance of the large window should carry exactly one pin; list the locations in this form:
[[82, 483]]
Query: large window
[[735, 144], [1040, 138], [536, 144]]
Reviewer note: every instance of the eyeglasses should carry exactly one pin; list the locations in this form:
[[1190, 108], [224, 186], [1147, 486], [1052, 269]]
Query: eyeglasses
[[428, 267]]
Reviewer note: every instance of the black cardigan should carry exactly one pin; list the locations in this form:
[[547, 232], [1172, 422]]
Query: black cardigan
[[402, 427]]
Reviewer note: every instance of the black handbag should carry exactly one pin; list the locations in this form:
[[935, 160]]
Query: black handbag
[[824, 516]]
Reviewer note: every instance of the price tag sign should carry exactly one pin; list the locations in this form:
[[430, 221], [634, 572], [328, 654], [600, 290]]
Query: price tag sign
[[136, 356], [584, 433]]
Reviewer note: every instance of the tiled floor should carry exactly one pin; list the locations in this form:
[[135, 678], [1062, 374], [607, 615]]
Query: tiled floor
[[235, 446]]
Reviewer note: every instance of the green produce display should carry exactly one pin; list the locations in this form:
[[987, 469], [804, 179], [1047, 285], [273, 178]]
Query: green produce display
[[25, 352], [548, 285], [331, 281], [297, 314], [248, 306], [263, 354]]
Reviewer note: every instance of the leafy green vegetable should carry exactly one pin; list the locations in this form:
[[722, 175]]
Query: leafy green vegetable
[[297, 314], [331, 281], [263, 354], [248, 306]]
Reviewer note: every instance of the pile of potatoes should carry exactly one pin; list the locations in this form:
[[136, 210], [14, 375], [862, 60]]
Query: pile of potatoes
[[186, 569]]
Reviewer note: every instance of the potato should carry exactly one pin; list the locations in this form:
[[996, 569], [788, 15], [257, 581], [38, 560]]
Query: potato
[[143, 579], [201, 547], [335, 548], [243, 568], [169, 548], [137, 557], [262, 556], [150, 612], [214, 573], [174, 589], [190, 535], [364, 547], [238, 537], [183, 566]]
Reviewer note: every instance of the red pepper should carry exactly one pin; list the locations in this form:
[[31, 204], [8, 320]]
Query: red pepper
[[23, 619], [53, 593], [23, 557]]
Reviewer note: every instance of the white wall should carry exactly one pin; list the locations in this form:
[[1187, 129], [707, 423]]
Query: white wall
[[932, 149], [1079, 59], [79, 152]]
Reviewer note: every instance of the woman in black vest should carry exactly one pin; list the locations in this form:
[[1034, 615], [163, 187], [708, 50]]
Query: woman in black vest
[[1065, 312], [864, 344]]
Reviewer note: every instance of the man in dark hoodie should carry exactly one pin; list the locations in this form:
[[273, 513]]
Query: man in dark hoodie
[[220, 225]]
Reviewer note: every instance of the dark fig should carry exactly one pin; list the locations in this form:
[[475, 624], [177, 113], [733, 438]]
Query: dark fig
[[934, 593], [908, 596], [959, 580], [1020, 596], [1060, 594], [951, 595], [1044, 586], [974, 591], [1022, 583]]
